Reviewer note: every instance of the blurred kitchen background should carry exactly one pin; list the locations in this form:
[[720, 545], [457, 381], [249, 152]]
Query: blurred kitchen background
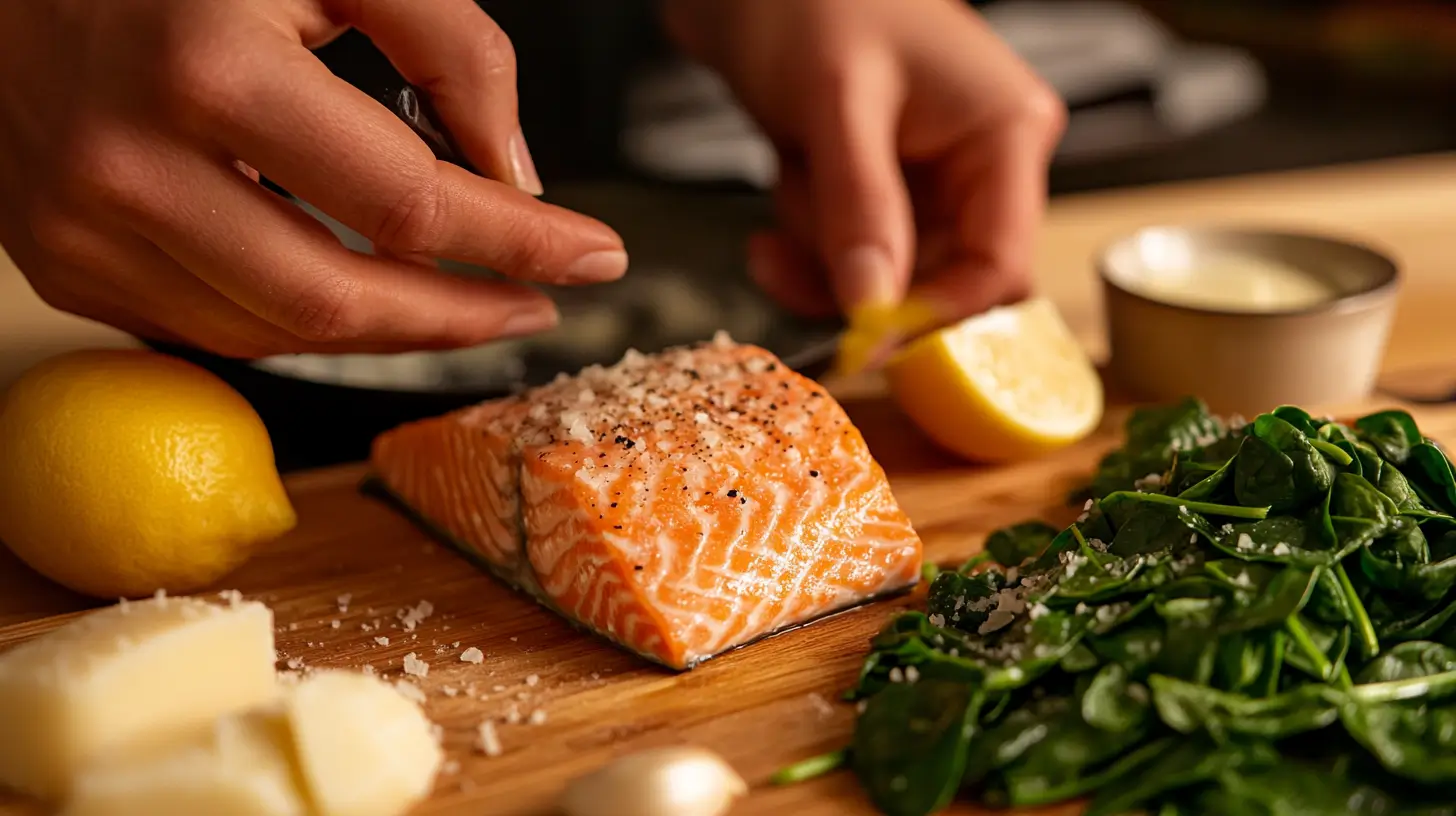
[[1159, 91]]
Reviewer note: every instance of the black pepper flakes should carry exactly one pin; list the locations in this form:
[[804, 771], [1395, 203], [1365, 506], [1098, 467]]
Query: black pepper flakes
[[814, 473], [614, 504], [733, 494]]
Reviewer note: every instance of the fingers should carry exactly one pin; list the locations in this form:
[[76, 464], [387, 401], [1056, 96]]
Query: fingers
[[148, 297], [333, 146], [789, 275], [284, 267], [119, 278], [864, 219], [783, 262], [454, 52], [997, 186]]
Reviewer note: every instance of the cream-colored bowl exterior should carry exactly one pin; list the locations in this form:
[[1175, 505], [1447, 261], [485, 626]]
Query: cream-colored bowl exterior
[[1248, 363]]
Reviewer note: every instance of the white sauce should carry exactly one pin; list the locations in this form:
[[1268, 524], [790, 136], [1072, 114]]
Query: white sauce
[[1242, 283]]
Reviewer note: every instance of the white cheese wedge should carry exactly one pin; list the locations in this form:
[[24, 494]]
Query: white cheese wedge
[[126, 678], [363, 749], [240, 767]]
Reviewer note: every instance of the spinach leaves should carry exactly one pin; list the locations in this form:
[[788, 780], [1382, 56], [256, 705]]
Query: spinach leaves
[[1248, 618]]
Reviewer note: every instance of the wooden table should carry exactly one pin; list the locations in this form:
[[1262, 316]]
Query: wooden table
[[774, 702]]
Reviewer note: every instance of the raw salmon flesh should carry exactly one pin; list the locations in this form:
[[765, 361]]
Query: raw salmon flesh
[[680, 504]]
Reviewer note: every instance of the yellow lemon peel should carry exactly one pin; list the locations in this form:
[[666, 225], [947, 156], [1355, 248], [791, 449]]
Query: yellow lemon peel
[[874, 326], [123, 472]]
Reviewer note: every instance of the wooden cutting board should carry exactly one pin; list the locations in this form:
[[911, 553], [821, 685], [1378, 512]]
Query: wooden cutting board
[[767, 705]]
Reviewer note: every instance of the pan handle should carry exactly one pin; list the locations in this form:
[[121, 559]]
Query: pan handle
[[413, 108]]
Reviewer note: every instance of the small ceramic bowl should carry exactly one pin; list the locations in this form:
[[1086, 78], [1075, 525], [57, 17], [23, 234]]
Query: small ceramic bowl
[[1242, 358]]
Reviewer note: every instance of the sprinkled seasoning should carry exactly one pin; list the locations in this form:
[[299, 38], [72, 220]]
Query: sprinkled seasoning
[[721, 402]]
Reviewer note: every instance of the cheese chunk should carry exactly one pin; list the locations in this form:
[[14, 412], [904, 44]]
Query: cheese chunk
[[239, 767], [125, 678], [363, 749]]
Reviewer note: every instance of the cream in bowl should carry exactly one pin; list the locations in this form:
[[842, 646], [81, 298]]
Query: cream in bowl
[[1246, 319]]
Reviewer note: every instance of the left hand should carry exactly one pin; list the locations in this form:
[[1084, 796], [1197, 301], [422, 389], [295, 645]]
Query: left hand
[[913, 147]]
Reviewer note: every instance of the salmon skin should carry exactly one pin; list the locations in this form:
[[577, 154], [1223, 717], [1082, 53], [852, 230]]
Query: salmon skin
[[680, 504]]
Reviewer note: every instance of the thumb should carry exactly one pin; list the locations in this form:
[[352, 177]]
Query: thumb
[[863, 213]]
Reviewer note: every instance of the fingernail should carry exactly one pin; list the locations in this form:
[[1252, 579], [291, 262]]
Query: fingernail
[[865, 275], [606, 264], [523, 169], [529, 320]]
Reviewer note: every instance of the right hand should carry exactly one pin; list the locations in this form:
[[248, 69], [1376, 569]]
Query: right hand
[[132, 134]]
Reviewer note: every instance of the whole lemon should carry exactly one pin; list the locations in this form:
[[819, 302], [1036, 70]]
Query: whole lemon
[[123, 472]]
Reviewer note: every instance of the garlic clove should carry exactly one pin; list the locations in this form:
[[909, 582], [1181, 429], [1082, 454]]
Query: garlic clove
[[674, 781]]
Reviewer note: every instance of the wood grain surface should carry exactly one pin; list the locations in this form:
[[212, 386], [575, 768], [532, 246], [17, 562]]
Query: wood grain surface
[[762, 707]]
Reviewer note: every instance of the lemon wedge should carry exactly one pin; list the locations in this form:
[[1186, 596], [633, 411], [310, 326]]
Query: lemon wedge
[[1006, 385], [875, 328]]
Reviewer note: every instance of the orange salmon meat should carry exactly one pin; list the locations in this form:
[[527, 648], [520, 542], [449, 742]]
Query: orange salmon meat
[[680, 504]]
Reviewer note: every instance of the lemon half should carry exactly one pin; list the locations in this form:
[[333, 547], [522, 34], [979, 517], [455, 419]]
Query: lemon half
[[1010, 384]]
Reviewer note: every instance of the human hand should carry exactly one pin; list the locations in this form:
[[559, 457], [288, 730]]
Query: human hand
[[913, 148], [132, 134]]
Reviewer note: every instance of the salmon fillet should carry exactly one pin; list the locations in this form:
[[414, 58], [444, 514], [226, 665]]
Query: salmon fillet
[[680, 504]]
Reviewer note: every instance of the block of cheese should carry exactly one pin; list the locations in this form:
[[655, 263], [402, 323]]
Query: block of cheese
[[125, 678], [363, 749], [241, 766]]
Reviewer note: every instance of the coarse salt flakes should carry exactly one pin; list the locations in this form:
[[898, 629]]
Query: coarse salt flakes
[[537, 717], [532, 679], [410, 691], [382, 640], [473, 655], [414, 666], [487, 740], [996, 620], [410, 617]]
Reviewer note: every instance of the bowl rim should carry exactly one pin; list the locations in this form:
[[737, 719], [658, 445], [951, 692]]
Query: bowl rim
[[1362, 300]]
